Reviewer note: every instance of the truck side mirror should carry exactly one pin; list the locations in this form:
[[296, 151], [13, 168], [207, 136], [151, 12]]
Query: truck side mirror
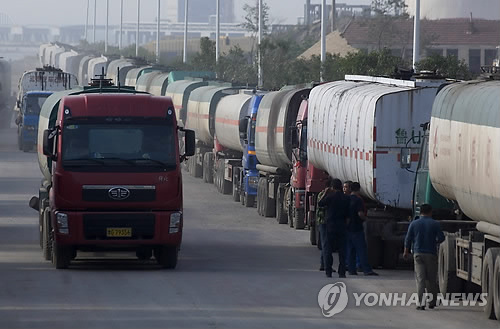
[[35, 203], [405, 160], [190, 143], [48, 143], [295, 138]]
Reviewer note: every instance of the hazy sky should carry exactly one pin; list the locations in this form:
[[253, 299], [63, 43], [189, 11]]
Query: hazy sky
[[69, 12]]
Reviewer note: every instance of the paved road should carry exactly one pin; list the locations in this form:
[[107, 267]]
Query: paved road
[[236, 270]]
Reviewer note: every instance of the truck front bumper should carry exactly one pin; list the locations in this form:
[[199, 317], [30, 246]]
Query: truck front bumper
[[117, 228]]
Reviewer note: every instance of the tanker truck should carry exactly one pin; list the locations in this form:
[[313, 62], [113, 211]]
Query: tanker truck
[[356, 131], [459, 175], [277, 113], [111, 174], [201, 109]]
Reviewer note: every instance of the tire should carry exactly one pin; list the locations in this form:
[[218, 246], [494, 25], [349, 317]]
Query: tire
[[46, 235], [61, 255], [318, 240], [210, 168], [205, 166], [226, 185], [281, 213], [496, 287], [236, 193], [249, 201], [487, 283], [27, 147], [298, 219], [167, 256], [374, 246], [198, 169], [447, 274], [390, 255], [40, 225]]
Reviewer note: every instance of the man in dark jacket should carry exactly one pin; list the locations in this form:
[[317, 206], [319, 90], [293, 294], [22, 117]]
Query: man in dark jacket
[[424, 234], [337, 210]]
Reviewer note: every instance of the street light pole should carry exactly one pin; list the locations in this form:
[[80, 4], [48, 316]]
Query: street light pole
[[137, 37], [87, 22], [186, 7], [95, 21], [107, 28], [416, 35], [323, 39], [120, 39], [259, 59], [217, 31], [158, 36]]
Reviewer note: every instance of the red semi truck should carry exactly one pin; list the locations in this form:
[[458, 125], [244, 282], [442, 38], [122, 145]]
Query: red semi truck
[[112, 176]]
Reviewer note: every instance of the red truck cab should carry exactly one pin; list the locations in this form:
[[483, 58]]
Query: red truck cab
[[116, 177]]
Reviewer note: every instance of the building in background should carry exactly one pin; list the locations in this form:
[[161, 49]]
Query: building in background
[[200, 11]]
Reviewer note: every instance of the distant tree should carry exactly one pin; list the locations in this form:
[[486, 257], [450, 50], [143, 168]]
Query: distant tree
[[236, 67], [205, 59], [251, 22], [449, 67], [389, 7]]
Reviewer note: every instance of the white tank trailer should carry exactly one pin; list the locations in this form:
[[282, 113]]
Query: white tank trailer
[[356, 130], [464, 167]]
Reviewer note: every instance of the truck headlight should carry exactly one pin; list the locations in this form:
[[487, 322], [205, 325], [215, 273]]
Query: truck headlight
[[253, 181], [175, 222], [62, 223]]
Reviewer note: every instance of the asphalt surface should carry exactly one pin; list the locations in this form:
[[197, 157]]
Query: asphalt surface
[[236, 270]]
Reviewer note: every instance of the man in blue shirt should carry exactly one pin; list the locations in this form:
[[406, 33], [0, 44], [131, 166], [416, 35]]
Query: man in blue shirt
[[424, 234]]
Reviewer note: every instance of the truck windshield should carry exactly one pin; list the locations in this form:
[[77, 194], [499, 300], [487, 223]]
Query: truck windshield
[[34, 104], [303, 143], [132, 145]]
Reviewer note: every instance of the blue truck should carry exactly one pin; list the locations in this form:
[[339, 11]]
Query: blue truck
[[27, 120]]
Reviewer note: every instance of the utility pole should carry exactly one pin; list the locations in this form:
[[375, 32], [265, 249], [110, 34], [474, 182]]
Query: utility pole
[[186, 7], [307, 13], [334, 13], [158, 36], [416, 35], [107, 28], [217, 31], [137, 36], [259, 59], [95, 21], [120, 39], [87, 22], [323, 39]]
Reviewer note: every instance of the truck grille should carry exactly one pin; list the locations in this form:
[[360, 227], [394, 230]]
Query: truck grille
[[110, 193], [95, 226]]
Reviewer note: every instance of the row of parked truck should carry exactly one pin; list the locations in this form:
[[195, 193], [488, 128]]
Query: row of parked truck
[[408, 142]]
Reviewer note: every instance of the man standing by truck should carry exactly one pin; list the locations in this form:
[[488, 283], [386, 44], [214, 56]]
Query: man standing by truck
[[337, 209], [424, 234]]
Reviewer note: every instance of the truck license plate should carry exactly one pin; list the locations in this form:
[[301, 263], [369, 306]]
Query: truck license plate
[[119, 232]]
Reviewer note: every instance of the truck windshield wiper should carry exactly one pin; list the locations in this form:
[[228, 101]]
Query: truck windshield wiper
[[161, 163], [98, 161]]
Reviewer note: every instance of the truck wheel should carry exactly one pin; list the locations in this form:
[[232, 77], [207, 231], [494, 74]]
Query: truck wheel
[[487, 282], [40, 226], [198, 169], [236, 193], [249, 201], [391, 255], [496, 287], [27, 147], [205, 166], [298, 219], [269, 205], [46, 235], [281, 214], [447, 274], [374, 250], [227, 186], [167, 256], [61, 255]]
